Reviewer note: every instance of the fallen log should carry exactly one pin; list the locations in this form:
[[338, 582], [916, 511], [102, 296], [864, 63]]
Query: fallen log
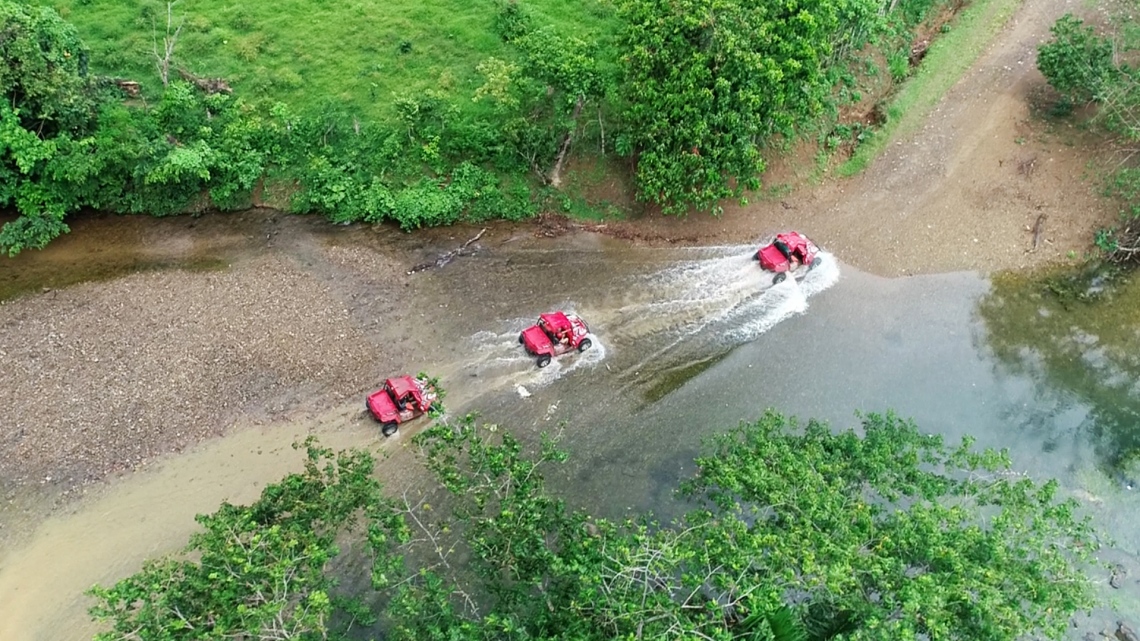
[[129, 87], [444, 259], [1038, 231], [208, 85]]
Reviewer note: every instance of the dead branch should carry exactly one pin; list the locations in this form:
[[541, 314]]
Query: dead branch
[[444, 259], [1026, 166], [129, 87], [208, 85], [1038, 231], [1127, 249], [168, 41], [556, 172]]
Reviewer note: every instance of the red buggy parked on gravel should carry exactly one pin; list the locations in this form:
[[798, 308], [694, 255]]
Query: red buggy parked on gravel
[[402, 399], [787, 253], [555, 334]]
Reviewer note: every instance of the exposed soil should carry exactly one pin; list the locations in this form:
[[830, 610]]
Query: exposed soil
[[962, 193], [104, 377]]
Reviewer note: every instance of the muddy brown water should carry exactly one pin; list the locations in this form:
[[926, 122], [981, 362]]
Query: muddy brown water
[[689, 341]]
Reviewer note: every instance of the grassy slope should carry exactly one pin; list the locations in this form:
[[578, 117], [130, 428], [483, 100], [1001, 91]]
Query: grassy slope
[[302, 52]]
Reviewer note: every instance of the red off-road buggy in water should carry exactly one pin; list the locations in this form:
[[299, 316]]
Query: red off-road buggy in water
[[402, 399], [555, 334], [788, 252]]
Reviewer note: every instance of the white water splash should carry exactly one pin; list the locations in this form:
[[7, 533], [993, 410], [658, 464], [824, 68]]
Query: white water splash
[[501, 360], [720, 295]]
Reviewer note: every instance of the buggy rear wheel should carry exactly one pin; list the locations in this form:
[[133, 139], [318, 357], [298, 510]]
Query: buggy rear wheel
[[520, 339], [815, 263], [389, 429], [584, 345], [543, 360]]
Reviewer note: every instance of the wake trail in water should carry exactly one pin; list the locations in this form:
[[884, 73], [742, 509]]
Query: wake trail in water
[[720, 297], [499, 359]]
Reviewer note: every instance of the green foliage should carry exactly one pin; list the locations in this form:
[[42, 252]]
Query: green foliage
[[1082, 64], [795, 534], [1077, 62], [512, 20], [44, 72], [47, 110], [800, 533], [256, 571], [707, 82], [905, 535]]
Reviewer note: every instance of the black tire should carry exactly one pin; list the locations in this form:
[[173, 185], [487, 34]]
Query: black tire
[[815, 263], [779, 278], [520, 339], [389, 429], [584, 345], [543, 361], [756, 256]]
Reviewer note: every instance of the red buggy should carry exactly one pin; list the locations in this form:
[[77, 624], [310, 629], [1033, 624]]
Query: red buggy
[[555, 334]]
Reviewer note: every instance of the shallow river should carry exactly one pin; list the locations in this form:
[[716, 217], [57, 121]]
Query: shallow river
[[689, 341]]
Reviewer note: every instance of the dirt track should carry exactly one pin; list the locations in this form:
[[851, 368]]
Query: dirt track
[[963, 192]]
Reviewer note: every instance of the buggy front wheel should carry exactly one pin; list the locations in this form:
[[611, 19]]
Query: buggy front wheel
[[389, 429]]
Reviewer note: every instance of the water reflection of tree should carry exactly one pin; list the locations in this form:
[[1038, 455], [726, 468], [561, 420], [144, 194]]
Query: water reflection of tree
[[1086, 349]]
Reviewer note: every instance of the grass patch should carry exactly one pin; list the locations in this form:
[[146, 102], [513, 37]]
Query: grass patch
[[304, 52], [949, 57]]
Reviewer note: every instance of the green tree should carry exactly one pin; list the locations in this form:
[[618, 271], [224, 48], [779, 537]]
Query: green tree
[[707, 82], [44, 72], [791, 533], [1090, 65], [253, 572], [797, 529], [892, 531], [48, 108], [1077, 61]]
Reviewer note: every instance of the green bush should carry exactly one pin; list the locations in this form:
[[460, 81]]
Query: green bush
[[1077, 62]]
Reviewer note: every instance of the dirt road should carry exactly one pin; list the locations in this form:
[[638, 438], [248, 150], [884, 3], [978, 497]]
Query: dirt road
[[963, 192]]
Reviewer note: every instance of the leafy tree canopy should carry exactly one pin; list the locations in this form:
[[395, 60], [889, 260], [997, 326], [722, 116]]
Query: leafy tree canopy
[[43, 75], [708, 81], [1097, 65], [257, 571], [793, 532], [1077, 61]]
